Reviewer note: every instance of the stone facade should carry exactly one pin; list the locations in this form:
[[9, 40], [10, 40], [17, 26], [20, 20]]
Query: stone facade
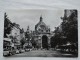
[[42, 34]]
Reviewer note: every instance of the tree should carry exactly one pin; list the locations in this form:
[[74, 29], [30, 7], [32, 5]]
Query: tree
[[22, 42], [34, 43], [70, 28], [69, 31], [7, 25]]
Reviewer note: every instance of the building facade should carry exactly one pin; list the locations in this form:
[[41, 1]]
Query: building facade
[[42, 34], [13, 32]]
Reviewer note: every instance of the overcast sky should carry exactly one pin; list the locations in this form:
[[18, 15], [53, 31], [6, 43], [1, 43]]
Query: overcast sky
[[32, 16]]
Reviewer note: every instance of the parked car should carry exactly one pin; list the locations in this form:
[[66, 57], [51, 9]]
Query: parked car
[[8, 48], [27, 49], [6, 52], [22, 50], [12, 51], [17, 51]]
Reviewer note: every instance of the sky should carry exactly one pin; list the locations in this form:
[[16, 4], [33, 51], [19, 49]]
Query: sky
[[30, 17]]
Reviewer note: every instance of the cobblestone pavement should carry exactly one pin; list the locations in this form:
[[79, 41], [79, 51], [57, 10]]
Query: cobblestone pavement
[[42, 53]]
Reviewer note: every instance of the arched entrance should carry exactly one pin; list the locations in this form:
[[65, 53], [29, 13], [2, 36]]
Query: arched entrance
[[44, 41]]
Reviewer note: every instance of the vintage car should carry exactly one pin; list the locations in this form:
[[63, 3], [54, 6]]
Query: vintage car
[[22, 50], [8, 49], [17, 51], [6, 52], [12, 51], [27, 49]]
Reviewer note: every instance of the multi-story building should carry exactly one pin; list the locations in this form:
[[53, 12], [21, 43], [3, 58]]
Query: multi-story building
[[15, 33]]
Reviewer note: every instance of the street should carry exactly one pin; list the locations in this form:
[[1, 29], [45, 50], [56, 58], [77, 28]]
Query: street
[[42, 53]]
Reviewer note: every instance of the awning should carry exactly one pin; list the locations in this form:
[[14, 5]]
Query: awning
[[7, 39]]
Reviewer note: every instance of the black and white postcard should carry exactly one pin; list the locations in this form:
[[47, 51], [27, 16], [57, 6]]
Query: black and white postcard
[[40, 33]]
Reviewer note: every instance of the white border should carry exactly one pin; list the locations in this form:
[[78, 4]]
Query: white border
[[36, 4]]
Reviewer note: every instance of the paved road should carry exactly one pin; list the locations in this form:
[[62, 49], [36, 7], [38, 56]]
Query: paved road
[[42, 53]]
